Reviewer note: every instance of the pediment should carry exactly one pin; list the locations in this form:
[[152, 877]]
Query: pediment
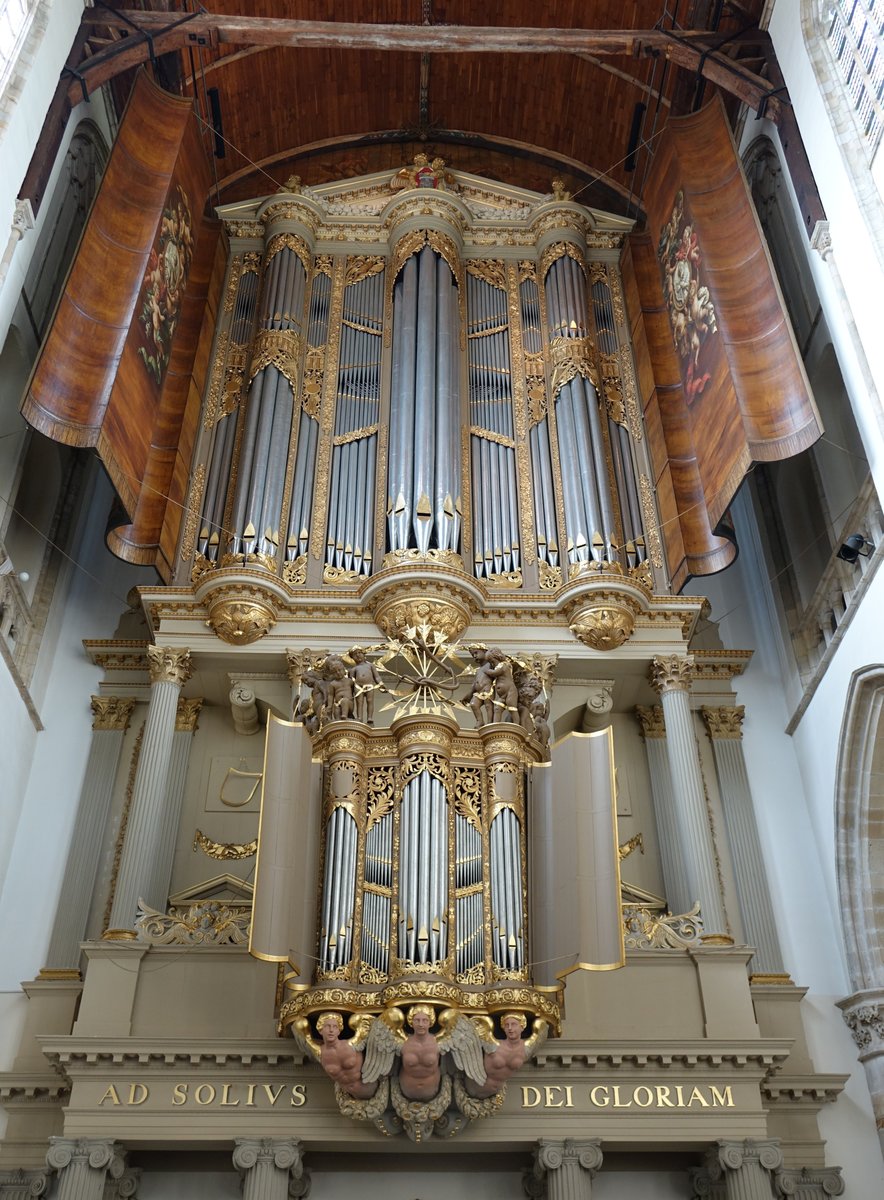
[[226, 888]]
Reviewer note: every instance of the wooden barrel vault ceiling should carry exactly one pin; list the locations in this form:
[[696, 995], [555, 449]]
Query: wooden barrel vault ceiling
[[516, 91]]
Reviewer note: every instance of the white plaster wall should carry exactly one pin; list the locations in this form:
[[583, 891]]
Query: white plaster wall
[[21, 134], [854, 251], [192, 1185], [48, 767]]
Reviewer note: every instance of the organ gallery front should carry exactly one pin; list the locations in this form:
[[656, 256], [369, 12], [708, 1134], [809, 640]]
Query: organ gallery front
[[416, 837]]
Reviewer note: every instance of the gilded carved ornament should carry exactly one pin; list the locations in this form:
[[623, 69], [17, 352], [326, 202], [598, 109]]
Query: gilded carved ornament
[[168, 666], [187, 714], [111, 712], [724, 722], [224, 850], [192, 512], [280, 348], [571, 357], [671, 673], [241, 614], [203, 923], [604, 621], [651, 721]]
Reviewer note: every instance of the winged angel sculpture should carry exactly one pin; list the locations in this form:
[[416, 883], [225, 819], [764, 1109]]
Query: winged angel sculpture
[[422, 1082]]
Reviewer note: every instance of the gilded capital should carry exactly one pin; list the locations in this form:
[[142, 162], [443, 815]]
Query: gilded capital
[[725, 722], [187, 715], [111, 712], [672, 673], [651, 721], [168, 666]]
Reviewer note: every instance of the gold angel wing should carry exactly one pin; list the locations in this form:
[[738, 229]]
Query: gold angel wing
[[539, 1034], [382, 1044], [361, 1024], [301, 1034], [462, 1041]]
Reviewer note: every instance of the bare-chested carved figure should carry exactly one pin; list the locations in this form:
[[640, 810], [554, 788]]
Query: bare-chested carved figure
[[420, 1073]]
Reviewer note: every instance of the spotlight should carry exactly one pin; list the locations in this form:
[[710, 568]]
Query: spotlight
[[854, 547]]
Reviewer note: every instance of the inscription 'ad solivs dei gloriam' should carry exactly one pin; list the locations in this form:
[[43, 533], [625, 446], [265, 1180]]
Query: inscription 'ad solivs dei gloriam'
[[273, 1095]]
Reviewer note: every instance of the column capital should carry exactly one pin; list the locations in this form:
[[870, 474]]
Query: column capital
[[168, 666], [187, 714], [651, 721], [283, 1153], [864, 1016], [671, 673], [724, 722], [569, 1155], [749, 1162], [98, 1153], [111, 712], [732, 1156], [809, 1183]]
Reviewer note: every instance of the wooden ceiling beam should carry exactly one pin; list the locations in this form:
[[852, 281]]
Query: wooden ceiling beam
[[162, 32]]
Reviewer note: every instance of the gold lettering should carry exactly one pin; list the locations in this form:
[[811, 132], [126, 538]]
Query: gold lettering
[[110, 1093], [617, 1103], [663, 1100], [271, 1096], [299, 1094], [569, 1102], [179, 1094], [207, 1088], [723, 1100], [680, 1090], [225, 1096], [594, 1099], [548, 1101], [136, 1097], [250, 1099], [697, 1095], [527, 1091], [650, 1096]]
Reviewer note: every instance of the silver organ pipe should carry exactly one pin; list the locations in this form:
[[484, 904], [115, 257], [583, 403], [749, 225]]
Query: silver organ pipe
[[423, 870], [423, 485], [212, 536], [468, 882], [298, 533], [495, 499], [589, 513], [507, 909], [621, 446], [376, 903], [338, 890], [538, 437], [259, 491], [350, 529]]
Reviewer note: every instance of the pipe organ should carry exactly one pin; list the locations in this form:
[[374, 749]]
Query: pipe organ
[[460, 391]]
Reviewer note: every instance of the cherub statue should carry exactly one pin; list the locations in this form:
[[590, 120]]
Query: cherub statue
[[339, 688], [341, 1058], [365, 684], [503, 1057], [480, 698], [506, 694], [312, 709]]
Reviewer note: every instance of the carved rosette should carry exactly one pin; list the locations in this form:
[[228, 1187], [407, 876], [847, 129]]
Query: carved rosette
[[168, 666], [724, 723], [672, 673], [242, 613], [111, 712], [448, 611], [604, 621]]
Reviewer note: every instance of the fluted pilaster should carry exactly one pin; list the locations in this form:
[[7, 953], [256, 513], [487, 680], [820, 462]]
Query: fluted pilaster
[[110, 721], [142, 869], [724, 725], [186, 721], [271, 1168], [671, 677], [84, 1165], [745, 1168], [563, 1170], [653, 729]]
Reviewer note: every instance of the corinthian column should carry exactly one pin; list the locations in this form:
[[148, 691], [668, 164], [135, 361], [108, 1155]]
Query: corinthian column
[[142, 871], [271, 1168], [671, 677], [84, 1165], [744, 1168], [110, 721], [653, 729], [725, 728], [563, 1170]]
